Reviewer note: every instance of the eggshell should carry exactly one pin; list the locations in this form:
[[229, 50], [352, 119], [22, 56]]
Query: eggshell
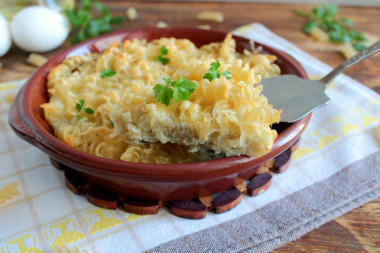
[[39, 29], [5, 36]]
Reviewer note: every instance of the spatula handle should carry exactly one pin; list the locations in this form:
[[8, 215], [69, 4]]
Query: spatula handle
[[352, 61]]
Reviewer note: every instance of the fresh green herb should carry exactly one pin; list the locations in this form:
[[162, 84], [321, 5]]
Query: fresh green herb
[[88, 25], [213, 72], [358, 46], [111, 123], [108, 73], [88, 110], [347, 22], [177, 90], [339, 30], [80, 105], [160, 57]]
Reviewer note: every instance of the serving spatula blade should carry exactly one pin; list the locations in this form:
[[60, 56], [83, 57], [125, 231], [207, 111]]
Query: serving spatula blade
[[297, 97]]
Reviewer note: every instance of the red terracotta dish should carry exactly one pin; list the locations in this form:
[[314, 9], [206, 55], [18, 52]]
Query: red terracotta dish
[[148, 181]]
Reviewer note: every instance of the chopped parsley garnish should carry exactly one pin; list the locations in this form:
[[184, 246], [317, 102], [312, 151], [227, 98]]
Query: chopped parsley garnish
[[108, 72], [80, 107], [160, 57], [177, 90], [341, 30], [88, 25], [213, 72], [88, 110]]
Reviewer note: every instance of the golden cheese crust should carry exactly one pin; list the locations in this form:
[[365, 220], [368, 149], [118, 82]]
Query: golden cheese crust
[[228, 116]]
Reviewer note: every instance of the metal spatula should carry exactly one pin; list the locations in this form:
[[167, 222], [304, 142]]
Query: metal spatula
[[297, 96]]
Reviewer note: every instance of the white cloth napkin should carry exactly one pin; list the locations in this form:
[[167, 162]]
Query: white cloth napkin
[[336, 169]]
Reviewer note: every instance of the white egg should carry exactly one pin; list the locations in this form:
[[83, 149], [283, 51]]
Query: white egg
[[5, 36], [39, 29]]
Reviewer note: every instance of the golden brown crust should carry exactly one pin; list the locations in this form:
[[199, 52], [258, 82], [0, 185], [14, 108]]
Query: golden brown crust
[[227, 116]]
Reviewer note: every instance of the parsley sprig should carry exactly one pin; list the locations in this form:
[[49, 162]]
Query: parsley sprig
[[213, 72], [80, 106], [89, 25], [339, 29], [108, 72], [160, 57], [177, 90]]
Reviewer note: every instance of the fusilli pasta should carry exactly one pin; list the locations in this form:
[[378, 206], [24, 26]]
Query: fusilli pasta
[[229, 116]]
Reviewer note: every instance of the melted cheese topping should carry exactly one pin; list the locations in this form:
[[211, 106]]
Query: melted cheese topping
[[229, 116]]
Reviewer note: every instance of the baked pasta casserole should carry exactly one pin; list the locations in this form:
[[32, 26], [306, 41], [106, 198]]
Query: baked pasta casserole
[[117, 115]]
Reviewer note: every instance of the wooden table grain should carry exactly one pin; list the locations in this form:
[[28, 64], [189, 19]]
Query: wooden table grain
[[359, 229]]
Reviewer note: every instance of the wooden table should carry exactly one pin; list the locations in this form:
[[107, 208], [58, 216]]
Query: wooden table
[[356, 231]]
